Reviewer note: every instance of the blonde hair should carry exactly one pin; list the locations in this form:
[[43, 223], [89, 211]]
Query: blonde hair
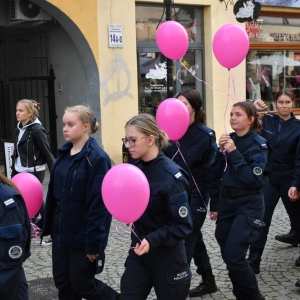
[[86, 115], [146, 124], [31, 106]]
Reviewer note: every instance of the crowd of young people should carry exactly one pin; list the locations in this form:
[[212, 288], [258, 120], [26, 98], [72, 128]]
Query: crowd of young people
[[238, 181]]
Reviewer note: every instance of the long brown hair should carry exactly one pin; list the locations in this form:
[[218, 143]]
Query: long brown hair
[[195, 100]]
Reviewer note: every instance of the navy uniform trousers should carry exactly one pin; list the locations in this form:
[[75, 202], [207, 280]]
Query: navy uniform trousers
[[278, 187], [73, 273], [160, 268], [19, 290], [194, 244], [238, 225]]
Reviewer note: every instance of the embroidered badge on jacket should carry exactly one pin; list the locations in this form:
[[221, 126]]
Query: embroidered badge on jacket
[[257, 171], [183, 212], [15, 252]]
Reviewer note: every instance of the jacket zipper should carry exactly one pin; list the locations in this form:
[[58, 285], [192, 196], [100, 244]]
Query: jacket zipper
[[73, 180], [27, 151]]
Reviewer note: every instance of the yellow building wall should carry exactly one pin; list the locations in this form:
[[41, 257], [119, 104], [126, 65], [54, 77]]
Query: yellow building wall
[[118, 66]]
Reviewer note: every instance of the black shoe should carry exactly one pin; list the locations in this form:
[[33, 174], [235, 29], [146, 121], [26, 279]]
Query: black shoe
[[258, 296], [289, 238], [297, 263], [297, 283], [207, 286], [254, 258]]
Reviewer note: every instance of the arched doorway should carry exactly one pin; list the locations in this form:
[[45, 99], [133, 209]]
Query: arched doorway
[[55, 51]]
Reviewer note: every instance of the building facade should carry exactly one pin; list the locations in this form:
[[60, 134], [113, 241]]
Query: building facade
[[103, 53]]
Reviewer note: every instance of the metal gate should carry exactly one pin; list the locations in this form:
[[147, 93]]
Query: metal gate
[[26, 74]]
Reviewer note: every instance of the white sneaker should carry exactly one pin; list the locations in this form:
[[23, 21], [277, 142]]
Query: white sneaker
[[44, 242]]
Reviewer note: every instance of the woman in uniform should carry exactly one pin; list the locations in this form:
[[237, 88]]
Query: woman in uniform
[[75, 214], [158, 257], [240, 164], [197, 147], [15, 237], [282, 131]]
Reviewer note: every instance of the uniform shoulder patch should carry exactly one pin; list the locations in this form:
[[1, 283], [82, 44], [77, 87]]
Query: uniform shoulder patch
[[260, 140], [175, 171], [207, 130]]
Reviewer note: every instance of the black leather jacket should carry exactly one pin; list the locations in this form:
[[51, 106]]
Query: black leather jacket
[[34, 148]]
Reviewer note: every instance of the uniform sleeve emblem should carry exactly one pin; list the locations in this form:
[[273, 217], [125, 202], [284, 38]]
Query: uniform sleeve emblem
[[15, 252], [257, 171], [178, 175], [183, 211]]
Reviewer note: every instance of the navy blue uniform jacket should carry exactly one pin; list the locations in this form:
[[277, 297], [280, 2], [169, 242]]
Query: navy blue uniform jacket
[[15, 236], [284, 138], [198, 147], [245, 165], [167, 219], [85, 221]]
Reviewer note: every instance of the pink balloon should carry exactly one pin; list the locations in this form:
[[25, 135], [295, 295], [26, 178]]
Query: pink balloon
[[230, 45], [125, 192], [173, 117], [298, 78], [172, 40], [31, 190]]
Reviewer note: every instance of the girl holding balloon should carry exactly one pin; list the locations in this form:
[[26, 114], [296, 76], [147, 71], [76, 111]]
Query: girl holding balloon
[[75, 214], [15, 240], [193, 152], [157, 258], [241, 165]]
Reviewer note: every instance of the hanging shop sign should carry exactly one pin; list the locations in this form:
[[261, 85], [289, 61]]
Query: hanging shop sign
[[246, 10]]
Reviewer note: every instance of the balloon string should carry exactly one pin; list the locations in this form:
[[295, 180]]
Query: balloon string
[[128, 232], [178, 151], [225, 111], [211, 87]]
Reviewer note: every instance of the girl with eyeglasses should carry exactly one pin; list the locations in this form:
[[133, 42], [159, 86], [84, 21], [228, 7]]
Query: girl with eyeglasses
[[157, 257]]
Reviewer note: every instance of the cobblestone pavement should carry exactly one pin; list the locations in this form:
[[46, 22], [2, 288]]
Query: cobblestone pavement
[[276, 281]]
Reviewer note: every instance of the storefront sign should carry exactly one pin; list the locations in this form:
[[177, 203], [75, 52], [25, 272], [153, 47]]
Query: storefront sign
[[115, 35], [246, 10], [8, 153], [160, 71], [286, 3]]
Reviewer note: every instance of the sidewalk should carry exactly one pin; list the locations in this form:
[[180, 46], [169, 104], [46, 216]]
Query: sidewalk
[[276, 281]]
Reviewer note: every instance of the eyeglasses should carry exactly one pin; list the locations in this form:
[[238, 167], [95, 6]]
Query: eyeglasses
[[131, 142]]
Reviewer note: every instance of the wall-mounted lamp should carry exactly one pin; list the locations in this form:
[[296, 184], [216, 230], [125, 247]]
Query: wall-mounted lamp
[[227, 2]]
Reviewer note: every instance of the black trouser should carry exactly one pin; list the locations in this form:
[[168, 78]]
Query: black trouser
[[73, 273], [19, 288], [194, 244], [238, 224], [278, 187], [165, 268]]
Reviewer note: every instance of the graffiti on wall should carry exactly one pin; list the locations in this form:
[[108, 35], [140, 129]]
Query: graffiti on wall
[[119, 74]]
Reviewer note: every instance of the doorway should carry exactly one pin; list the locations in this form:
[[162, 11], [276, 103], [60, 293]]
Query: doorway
[[26, 74]]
